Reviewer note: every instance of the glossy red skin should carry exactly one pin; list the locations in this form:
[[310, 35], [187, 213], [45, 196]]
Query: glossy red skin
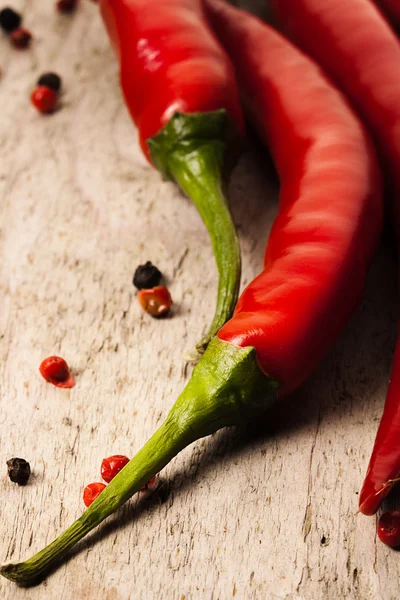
[[384, 465], [170, 61], [388, 528], [330, 207], [91, 492], [391, 8], [55, 370], [112, 465], [366, 65]]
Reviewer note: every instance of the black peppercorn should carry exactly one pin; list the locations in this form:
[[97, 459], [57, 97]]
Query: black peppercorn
[[9, 19], [50, 80], [18, 470], [146, 276]]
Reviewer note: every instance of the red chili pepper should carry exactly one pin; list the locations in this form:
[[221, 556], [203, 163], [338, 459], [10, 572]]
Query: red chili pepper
[[55, 370], [392, 9], [325, 234], [178, 66], [388, 528], [156, 301], [366, 66], [112, 465], [44, 99], [180, 89], [91, 492]]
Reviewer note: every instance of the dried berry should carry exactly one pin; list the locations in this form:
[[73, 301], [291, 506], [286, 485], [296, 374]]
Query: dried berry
[[50, 80], [18, 470], [91, 492], [150, 485], [20, 38], [112, 465], [55, 370], [66, 6], [156, 302], [44, 99], [9, 19], [146, 276]]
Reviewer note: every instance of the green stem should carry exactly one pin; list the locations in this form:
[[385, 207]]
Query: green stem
[[226, 388], [198, 174], [191, 150]]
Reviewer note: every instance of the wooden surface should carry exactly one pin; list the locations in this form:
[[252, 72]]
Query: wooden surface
[[264, 513]]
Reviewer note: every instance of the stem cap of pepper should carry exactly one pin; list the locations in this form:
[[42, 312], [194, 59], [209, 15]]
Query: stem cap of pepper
[[197, 151]]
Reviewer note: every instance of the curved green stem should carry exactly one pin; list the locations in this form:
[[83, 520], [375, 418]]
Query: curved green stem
[[191, 150], [226, 388]]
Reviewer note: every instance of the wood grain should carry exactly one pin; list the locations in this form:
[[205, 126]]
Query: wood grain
[[270, 512]]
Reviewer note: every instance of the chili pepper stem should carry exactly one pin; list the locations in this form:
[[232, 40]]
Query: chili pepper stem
[[190, 149], [206, 192], [226, 387]]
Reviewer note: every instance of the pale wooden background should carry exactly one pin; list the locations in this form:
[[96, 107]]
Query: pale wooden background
[[267, 513]]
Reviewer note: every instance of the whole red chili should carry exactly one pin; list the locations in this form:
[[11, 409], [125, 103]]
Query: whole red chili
[[366, 68], [92, 491], [388, 528], [324, 236], [55, 370], [181, 92], [155, 301], [292, 312], [20, 38], [112, 465], [44, 99]]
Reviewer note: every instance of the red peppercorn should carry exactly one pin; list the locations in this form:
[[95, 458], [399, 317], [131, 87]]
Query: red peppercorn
[[112, 465], [44, 99], [91, 492], [20, 38], [155, 301], [56, 371], [66, 6], [389, 528], [150, 485]]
